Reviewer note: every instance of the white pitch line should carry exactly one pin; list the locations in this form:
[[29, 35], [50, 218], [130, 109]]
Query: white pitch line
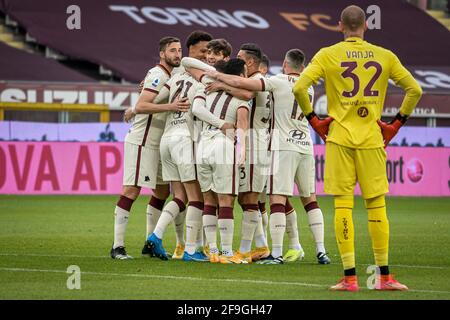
[[104, 257], [152, 276]]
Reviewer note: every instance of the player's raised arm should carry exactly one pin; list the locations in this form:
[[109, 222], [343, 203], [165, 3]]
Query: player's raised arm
[[150, 102], [241, 132], [403, 78], [237, 82]]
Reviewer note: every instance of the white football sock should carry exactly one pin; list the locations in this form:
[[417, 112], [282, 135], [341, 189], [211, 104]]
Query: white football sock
[[169, 213], [193, 226], [260, 236], [179, 227], [277, 223], [249, 224], [153, 215], [315, 219], [226, 229], [120, 226], [292, 231], [210, 227], [265, 222]]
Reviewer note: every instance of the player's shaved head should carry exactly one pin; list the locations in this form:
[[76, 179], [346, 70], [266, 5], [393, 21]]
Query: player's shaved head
[[295, 58], [353, 18]]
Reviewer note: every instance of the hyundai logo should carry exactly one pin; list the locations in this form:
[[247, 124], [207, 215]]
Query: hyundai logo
[[297, 134]]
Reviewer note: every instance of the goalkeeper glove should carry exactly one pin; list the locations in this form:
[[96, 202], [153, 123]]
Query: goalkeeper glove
[[319, 125], [389, 130]]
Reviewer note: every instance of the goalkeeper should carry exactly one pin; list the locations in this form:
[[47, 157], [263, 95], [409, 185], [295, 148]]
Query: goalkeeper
[[356, 75]]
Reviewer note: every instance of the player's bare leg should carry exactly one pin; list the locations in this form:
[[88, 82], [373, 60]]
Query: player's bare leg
[[316, 225], [209, 219], [121, 214], [169, 213], [193, 221], [250, 219], [277, 227]]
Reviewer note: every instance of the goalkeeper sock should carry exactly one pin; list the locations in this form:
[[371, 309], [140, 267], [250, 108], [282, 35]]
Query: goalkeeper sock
[[169, 213], [121, 214], [154, 209], [344, 230], [378, 229]]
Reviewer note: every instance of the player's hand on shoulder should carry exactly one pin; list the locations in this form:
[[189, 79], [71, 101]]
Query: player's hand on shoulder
[[214, 86]]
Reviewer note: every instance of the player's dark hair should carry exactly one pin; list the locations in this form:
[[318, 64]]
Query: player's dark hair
[[221, 66], [253, 50], [295, 58], [164, 42], [235, 67], [353, 17], [265, 60], [220, 45], [196, 37]]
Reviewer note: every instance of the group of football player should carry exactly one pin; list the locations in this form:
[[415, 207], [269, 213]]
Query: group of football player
[[208, 128]]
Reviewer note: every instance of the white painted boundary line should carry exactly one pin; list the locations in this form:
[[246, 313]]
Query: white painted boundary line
[[105, 257], [152, 276]]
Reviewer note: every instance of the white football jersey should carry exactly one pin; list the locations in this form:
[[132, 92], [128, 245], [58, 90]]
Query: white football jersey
[[290, 130], [260, 118], [147, 129], [178, 123]]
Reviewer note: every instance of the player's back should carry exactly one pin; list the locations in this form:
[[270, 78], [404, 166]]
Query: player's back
[[224, 106], [259, 118], [356, 75], [290, 130]]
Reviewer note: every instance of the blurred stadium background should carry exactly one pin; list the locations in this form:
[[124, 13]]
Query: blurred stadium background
[[62, 96]]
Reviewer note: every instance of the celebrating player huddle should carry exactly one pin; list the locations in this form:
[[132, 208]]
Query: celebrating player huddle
[[215, 129]]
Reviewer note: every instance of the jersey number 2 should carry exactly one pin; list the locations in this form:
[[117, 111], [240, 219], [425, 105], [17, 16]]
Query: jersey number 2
[[348, 73]]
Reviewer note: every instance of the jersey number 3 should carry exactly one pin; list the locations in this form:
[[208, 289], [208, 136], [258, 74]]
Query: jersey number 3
[[348, 73]]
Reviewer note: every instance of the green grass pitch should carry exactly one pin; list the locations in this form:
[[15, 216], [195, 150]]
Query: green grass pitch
[[41, 236]]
